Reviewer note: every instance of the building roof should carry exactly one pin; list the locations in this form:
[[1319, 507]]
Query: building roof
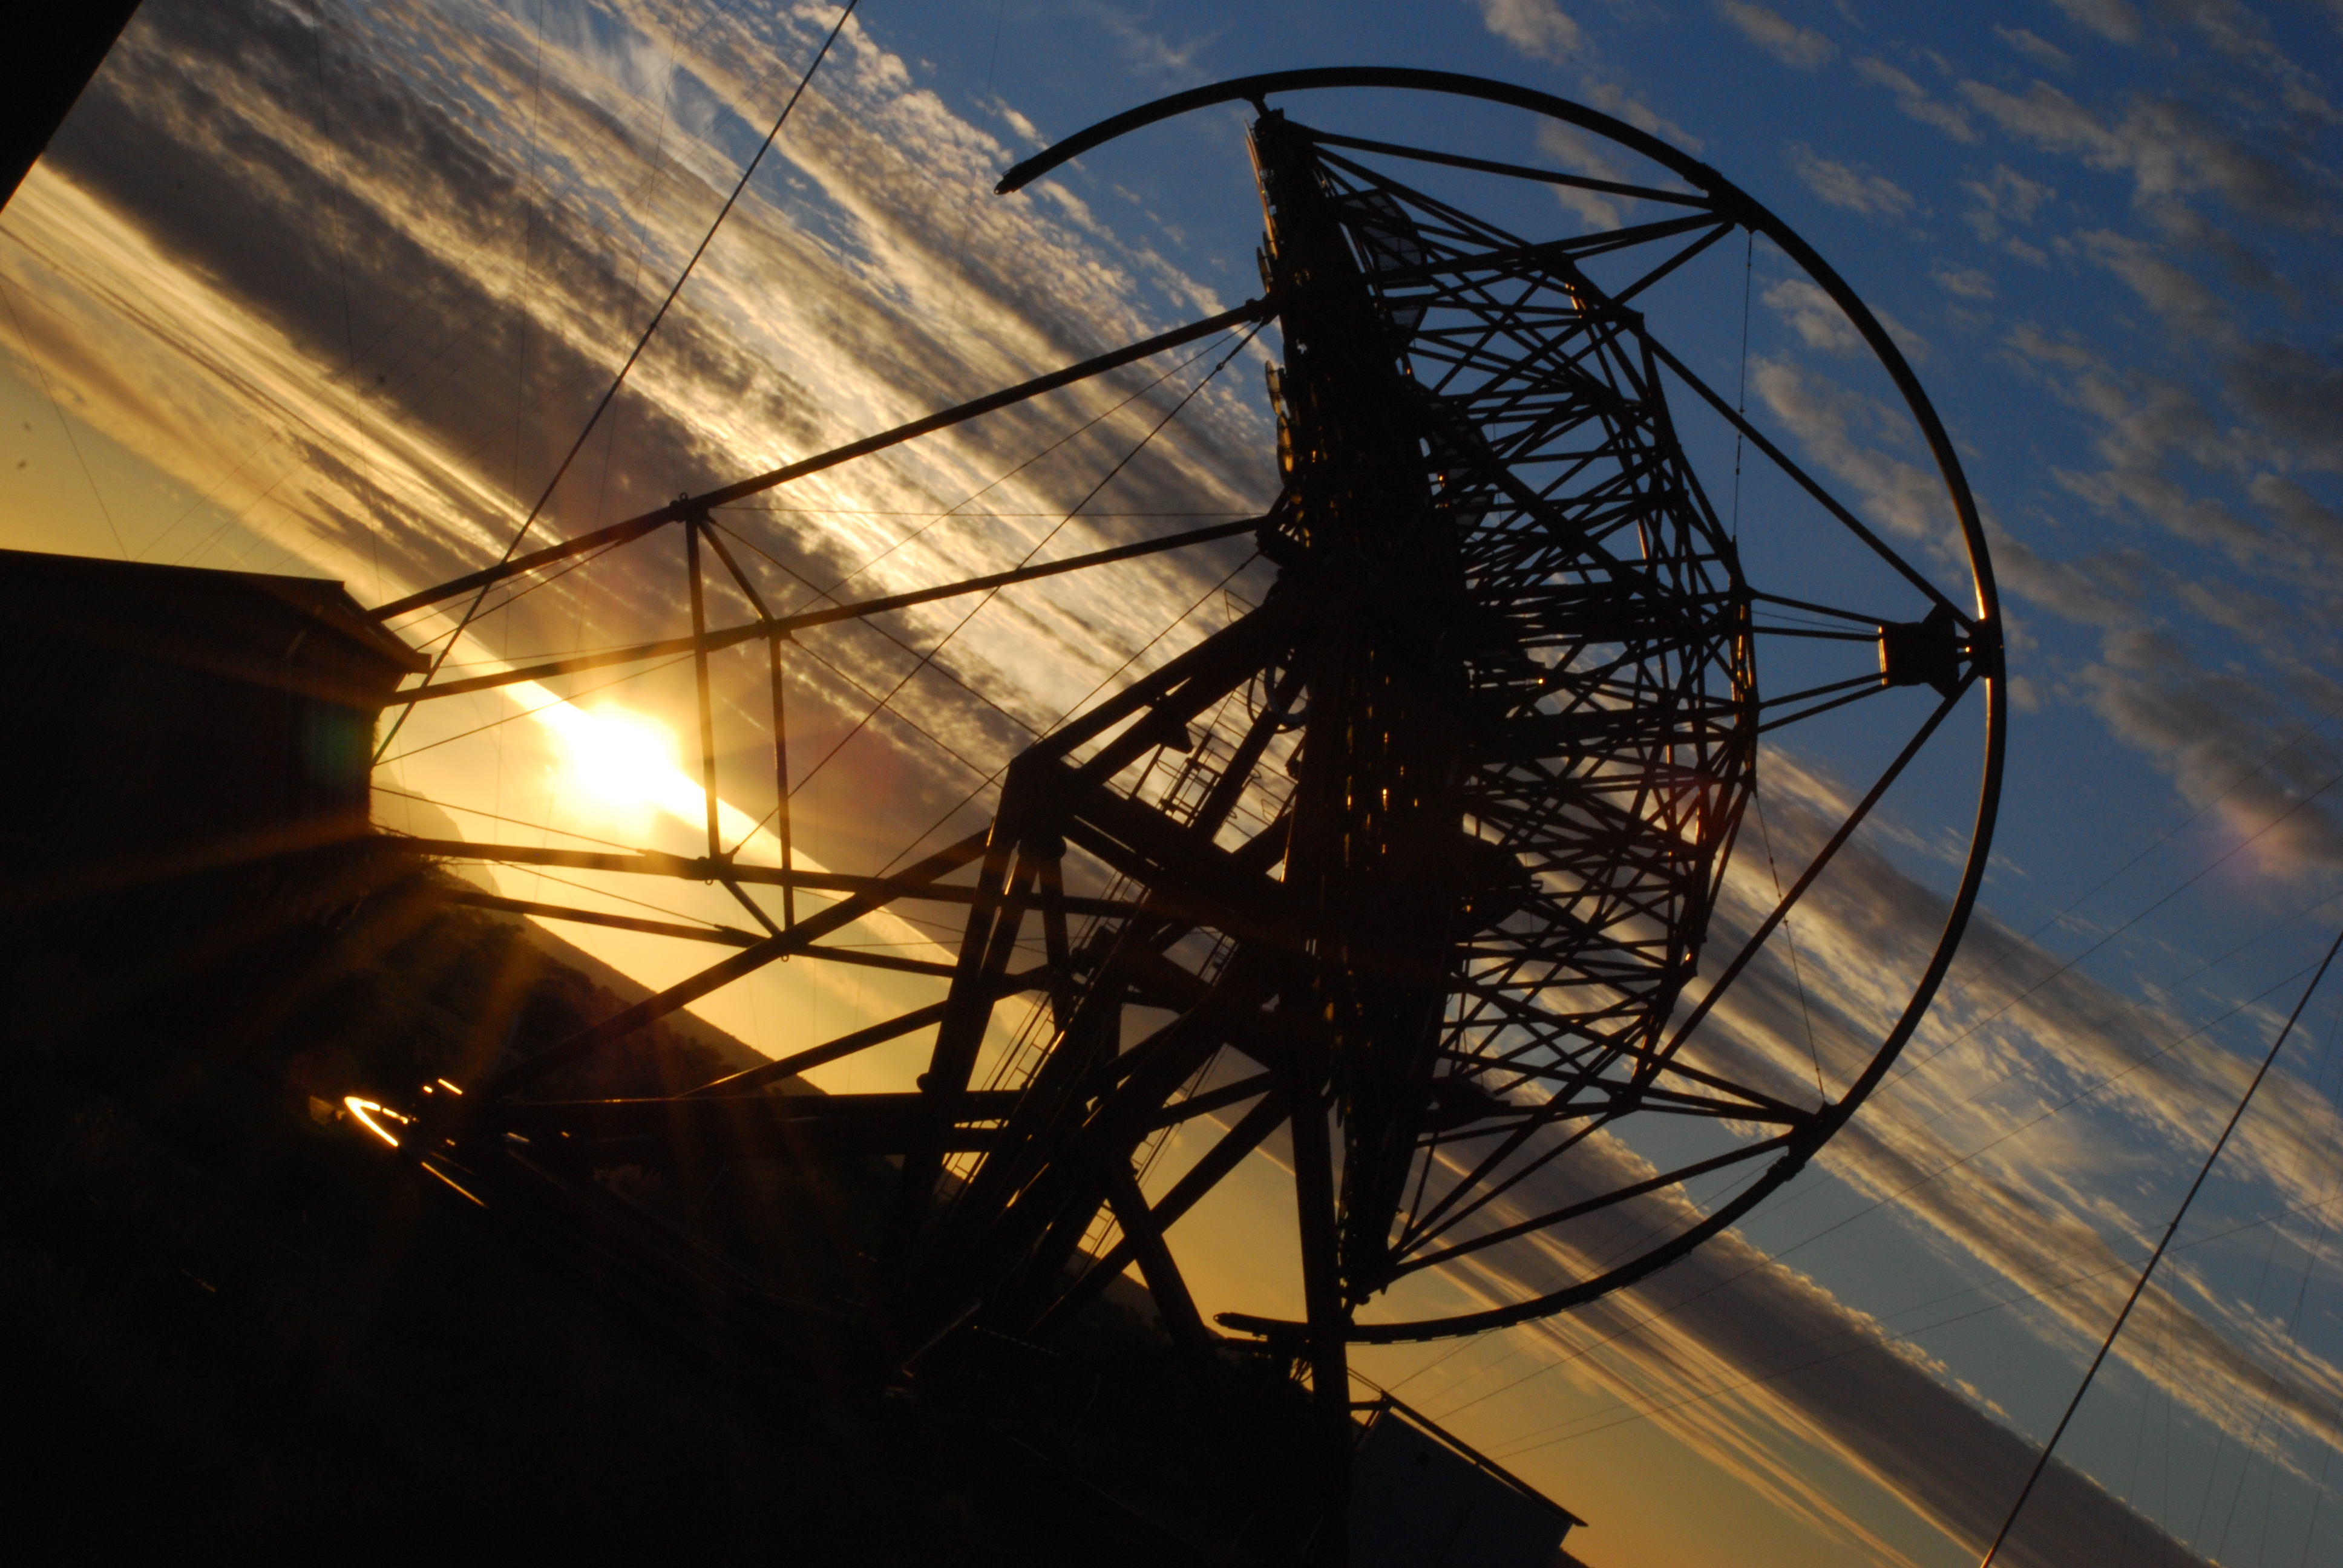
[[250, 624]]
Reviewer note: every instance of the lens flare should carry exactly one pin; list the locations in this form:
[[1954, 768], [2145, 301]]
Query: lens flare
[[622, 757]]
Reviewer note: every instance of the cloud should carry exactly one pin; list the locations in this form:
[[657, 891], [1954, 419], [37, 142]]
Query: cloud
[[1760, 1372], [2315, 527], [1839, 429], [2167, 147], [1023, 129], [1581, 153], [2198, 519], [2003, 197], [2213, 731], [2166, 287], [2019, 1033], [2148, 422], [2238, 33], [1613, 99], [1819, 323], [1963, 283], [2150, 688], [2101, 589], [1814, 316], [2151, 424], [2049, 118], [868, 280], [2111, 19], [1842, 186], [1155, 54], [2168, 456], [1779, 37], [2296, 392], [2039, 50], [1758, 1369], [1915, 100], [1537, 28]]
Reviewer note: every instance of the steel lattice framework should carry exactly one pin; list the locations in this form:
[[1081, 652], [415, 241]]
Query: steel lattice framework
[[1412, 868], [1609, 692]]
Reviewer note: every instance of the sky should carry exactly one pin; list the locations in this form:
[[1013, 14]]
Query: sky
[[331, 289]]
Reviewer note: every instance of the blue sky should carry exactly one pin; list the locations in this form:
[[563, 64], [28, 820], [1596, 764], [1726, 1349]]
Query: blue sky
[[331, 297]]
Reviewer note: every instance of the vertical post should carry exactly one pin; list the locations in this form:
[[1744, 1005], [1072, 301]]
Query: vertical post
[[715, 538], [1192, 1341], [1049, 891], [692, 527], [1322, 1291], [994, 919], [781, 786]]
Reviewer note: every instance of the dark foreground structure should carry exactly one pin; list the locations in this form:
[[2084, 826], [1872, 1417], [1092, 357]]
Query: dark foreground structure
[[189, 781], [238, 1323], [237, 1312], [186, 719], [53, 51], [1416, 866]]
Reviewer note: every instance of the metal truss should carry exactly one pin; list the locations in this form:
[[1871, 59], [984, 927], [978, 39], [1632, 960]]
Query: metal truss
[[1412, 869]]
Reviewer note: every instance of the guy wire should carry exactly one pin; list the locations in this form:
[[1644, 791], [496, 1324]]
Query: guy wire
[[2042, 1460]]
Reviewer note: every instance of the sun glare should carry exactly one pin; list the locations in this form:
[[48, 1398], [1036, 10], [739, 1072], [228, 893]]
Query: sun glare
[[624, 757]]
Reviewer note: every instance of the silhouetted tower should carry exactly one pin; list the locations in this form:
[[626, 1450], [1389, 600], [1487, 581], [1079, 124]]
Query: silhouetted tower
[[1411, 867]]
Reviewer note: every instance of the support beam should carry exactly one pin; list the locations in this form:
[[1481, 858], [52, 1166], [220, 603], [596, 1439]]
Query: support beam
[[844, 1045], [1196, 1344], [722, 936], [778, 684], [1511, 171], [1329, 1324], [781, 780], [1003, 889], [704, 643], [626, 1021], [691, 530], [1201, 1178], [866, 1123], [1329, 1327], [635, 528], [651, 863]]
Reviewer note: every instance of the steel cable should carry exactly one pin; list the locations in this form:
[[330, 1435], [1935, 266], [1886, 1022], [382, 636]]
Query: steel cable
[[2116, 1328], [641, 342]]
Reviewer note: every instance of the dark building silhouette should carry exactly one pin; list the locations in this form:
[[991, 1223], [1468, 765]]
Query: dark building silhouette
[[186, 769], [182, 718], [1421, 1499]]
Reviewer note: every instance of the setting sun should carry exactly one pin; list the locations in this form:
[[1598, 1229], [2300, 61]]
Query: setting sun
[[623, 758], [630, 765]]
